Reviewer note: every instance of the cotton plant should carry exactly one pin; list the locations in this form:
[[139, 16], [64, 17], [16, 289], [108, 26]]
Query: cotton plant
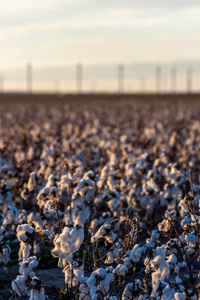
[[167, 223], [174, 290], [6, 197], [64, 186], [26, 235], [31, 185], [78, 175], [37, 291], [168, 197], [134, 291], [112, 256], [80, 214], [114, 202], [35, 220], [4, 247], [86, 186], [103, 177], [11, 215], [27, 283], [74, 274], [105, 231], [134, 255], [66, 244], [160, 267], [99, 280], [106, 217]]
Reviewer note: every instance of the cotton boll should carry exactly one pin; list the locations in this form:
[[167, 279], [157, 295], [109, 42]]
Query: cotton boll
[[102, 277], [80, 214], [11, 215], [25, 233], [32, 181], [5, 253], [180, 296], [161, 268], [6, 198], [192, 239], [128, 291], [168, 293], [120, 270], [155, 235], [18, 285], [137, 252], [35, 218], [172, 261], [165, 225], [68, 242], [84, 292], [27, 266], [104, 231], [185, 223], [111, 257], [183, 205], [37, 292]]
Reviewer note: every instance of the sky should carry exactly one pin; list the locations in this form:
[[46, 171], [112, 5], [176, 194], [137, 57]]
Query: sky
[[55, 35]]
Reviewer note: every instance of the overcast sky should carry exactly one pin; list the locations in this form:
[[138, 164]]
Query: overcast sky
[[60, 33]]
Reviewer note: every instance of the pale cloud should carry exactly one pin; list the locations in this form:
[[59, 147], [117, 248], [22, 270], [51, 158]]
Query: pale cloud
[[63, 32], [83, 25]]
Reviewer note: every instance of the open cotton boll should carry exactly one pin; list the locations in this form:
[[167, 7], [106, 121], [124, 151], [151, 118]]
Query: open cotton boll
[[165, 225], [80, 214], [32, 181], [111, 257], [6, 197], [128, 292], [35, 218], [155, 235], [192, 239], [43, 196], [137, 252], [186, 222], [180, 296], [11, 215], [159, 256], [104, 231], [183, 205], [51, 181], [24, 233], [19, 285], [37, 292], [68, 242], [172, 261], [74, 274], [102, 278], [84, 292], [28, 266], [5, 253], [23, 283], [149, 244], [168, 293], [161, 268], [120, 270], [49, 210]]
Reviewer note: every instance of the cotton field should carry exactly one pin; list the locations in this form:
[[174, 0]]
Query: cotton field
[[105, 193]]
